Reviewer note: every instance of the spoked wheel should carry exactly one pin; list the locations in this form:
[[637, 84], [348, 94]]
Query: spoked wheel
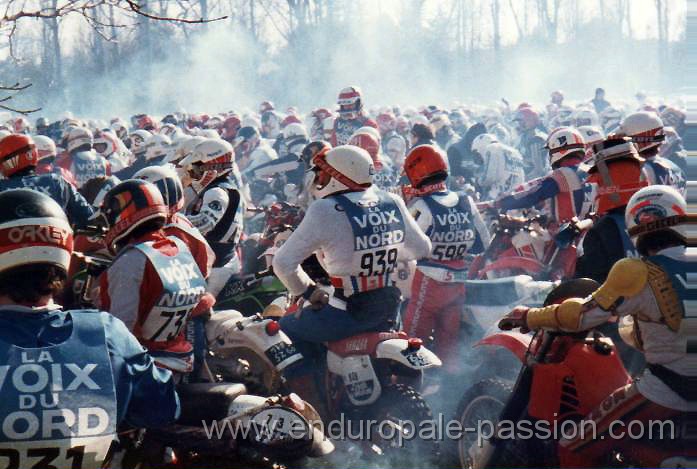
[[483, 402], [397, 415]]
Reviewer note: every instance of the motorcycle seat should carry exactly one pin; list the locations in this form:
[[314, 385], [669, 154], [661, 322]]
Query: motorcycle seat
[[362, 344], [207, 401]]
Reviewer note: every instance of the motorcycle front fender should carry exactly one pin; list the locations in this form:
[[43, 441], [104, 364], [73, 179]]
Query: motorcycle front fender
[[398, 350], [515, 342]]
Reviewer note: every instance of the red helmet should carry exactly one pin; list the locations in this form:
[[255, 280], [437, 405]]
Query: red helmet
[[424, 163], [266, 106], [350, 102], [321, 113], [290, 119], [230, 127], [527, 118], [146, 123], [370, 144], [386, 122], [17, 153]]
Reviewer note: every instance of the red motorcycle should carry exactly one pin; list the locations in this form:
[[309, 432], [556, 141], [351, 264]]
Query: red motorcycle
[[522, 246], [564, 377]]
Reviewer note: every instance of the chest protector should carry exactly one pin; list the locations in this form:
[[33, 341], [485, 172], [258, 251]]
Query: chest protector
[[674, 284], [627, 245], [451, 231], [58, 406], [378, 235], [182, 288], [575, 196]]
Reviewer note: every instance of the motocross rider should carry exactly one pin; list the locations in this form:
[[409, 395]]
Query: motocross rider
[[654, 300], [646, 131], [564, 189], [87, 362], [532, 142], [18, 161], [340, 228], [617, 174], [351, 117], [218, 208], [154, 282], [456, 230]]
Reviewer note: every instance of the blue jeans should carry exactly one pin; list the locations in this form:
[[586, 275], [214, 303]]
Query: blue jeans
[[324, 325]]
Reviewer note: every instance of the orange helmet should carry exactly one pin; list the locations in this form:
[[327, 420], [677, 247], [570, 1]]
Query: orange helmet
[[17, 152], [617, 173], [369, 143], [425, 163]]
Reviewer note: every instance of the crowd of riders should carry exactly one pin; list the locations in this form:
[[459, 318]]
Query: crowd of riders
[[168, 200]]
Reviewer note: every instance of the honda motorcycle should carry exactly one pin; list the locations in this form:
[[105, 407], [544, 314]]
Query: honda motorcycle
[[564, 376]]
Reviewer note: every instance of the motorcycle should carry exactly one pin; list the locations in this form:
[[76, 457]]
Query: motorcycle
[[252, 350], [255, 289], [564, 376], [223, 426], [523, 246], [374, 376]]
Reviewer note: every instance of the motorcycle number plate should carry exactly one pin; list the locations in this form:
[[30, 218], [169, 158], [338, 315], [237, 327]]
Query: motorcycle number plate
[[416, 358], [276, 424], [280, 352]]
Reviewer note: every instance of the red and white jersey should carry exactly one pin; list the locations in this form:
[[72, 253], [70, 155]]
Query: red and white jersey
[[152, 286]]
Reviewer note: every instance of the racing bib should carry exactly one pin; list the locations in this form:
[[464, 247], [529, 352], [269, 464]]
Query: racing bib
[[182, 288], [451, 230], [58, 406], [378, 233]]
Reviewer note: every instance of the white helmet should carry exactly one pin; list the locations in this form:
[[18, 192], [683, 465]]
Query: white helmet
[[138, 138], [344, 168], [4, 133], [585, 116], [293, 131], [209, 160], [591, 134], [564, 141], [419, 119], [77, 137], [170, 131], [656, 208], [157, 146], [482, 141], [183, 148], [645, 129], [45, 146]]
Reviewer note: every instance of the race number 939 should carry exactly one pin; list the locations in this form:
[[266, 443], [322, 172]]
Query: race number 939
[[378, 262]]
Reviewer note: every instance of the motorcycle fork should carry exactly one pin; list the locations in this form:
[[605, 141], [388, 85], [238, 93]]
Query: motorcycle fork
[[517, 404]]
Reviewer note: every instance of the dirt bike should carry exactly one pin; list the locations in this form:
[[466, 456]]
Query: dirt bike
[[374, 376], [524, 246], [266, 432], [564, 376], [257, 287]]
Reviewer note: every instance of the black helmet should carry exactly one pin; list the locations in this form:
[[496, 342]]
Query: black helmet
[[33, 230], [127, 206]]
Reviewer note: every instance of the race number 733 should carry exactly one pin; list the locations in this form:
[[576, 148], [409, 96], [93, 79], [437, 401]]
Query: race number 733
[[378, 262]]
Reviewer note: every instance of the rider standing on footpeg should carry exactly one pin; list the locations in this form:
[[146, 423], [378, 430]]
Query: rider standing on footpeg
[[456, 230], [358, 233]]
